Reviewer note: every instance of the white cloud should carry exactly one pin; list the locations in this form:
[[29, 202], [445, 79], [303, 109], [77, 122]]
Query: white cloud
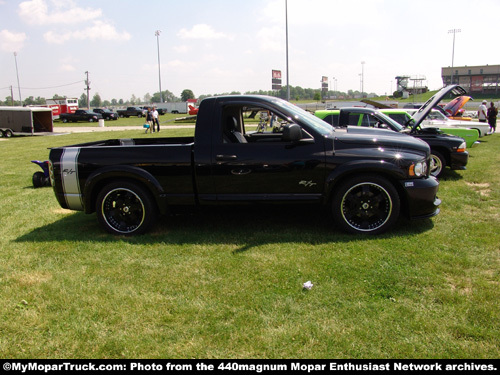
[[68, 64], [10, 42], [36, 12], [99, 31], [202, 31], [182, 49], [271, 38]]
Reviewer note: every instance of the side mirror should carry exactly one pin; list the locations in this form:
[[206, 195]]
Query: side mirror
[[292, 133]]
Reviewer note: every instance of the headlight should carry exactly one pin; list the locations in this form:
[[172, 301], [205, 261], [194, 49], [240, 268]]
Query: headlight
[[462, 147], [418, 169]]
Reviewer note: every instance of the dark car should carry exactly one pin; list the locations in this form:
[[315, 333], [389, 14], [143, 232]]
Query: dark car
[[107, 114]]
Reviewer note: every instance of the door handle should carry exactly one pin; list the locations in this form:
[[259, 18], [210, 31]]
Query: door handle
[[225, 157]]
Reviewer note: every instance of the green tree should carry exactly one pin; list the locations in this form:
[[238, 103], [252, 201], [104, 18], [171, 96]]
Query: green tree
[[96, 101], [186, 94], [82, 102]]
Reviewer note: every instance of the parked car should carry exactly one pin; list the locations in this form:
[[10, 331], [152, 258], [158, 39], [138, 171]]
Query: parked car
[[446, 150], [107, 114], [402, 116], [131, 111], [80, 115], [437, 119]]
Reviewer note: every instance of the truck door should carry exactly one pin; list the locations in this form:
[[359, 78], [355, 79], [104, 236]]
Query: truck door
[[253, 161]]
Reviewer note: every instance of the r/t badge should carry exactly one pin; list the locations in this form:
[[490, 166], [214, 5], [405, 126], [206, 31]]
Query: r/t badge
[[307, 183]]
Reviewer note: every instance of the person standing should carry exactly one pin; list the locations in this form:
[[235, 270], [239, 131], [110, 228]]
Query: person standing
[[492, 117], [482, 112], [155, 120], [149, 120]]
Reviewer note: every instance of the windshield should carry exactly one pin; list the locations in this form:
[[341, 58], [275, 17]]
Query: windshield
[[437, 115], [300, 115], [394, 124]]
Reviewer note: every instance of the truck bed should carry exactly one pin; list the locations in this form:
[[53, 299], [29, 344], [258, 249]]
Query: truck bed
[[137, 142]]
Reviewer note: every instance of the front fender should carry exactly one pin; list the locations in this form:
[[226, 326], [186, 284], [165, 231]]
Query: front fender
[[357, 167]]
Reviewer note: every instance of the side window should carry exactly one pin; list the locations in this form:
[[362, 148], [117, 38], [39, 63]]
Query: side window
[[353, 119], [401, 118], [366, 120], [252, 124], [332, 119]]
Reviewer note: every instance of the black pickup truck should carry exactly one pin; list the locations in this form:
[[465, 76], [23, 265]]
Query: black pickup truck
[[366, 178], [106, 114], [80, 115], [130, 111], [446, 150]]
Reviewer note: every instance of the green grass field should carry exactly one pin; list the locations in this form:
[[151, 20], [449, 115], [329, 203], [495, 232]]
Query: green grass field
[[229, 284]]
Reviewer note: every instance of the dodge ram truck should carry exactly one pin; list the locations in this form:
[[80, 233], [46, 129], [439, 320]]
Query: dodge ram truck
[[130, 111], [446, 150], [80, 115], [367, 179]]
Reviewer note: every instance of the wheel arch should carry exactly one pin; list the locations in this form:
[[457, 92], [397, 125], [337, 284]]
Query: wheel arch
[[390, 172], [100, 178], [443, 150]]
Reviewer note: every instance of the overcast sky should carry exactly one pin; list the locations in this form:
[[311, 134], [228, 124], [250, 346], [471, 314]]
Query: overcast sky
[[216, 46]]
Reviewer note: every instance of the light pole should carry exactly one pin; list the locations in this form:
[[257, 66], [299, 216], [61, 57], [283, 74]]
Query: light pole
[[157, 34], [362, 78], [453, 31], [18, 85], [287, 71], [87, 83]]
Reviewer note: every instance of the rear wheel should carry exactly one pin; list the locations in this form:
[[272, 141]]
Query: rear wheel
[[366, 204], [125, 208]]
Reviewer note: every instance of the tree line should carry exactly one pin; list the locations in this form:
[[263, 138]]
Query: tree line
[[296, 93]]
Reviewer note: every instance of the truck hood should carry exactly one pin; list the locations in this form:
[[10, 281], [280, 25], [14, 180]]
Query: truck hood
[[456, 105], [425, 109], [380, 138]]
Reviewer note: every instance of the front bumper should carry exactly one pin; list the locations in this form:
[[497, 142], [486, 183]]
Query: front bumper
[[458, 160], [421, 197]]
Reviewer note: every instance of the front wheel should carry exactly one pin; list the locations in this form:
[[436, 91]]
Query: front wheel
[[125, 208], [438, 163], [366, 204]]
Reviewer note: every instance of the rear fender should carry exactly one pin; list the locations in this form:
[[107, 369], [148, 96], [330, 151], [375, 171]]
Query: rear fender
[[98, 179]]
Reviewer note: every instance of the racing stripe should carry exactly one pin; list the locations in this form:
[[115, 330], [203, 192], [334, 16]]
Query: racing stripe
[[69, 176]]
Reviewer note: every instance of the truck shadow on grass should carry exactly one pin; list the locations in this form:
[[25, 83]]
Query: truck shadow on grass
[[244, 228]]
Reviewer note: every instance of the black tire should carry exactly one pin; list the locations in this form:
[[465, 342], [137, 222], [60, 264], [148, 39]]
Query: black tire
[[125, 208], [39, 179], [366, 205], [8, 133], [438, 163]]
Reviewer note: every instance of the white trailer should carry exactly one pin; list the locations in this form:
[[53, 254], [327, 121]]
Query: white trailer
[[25, 121], [173, 107]]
